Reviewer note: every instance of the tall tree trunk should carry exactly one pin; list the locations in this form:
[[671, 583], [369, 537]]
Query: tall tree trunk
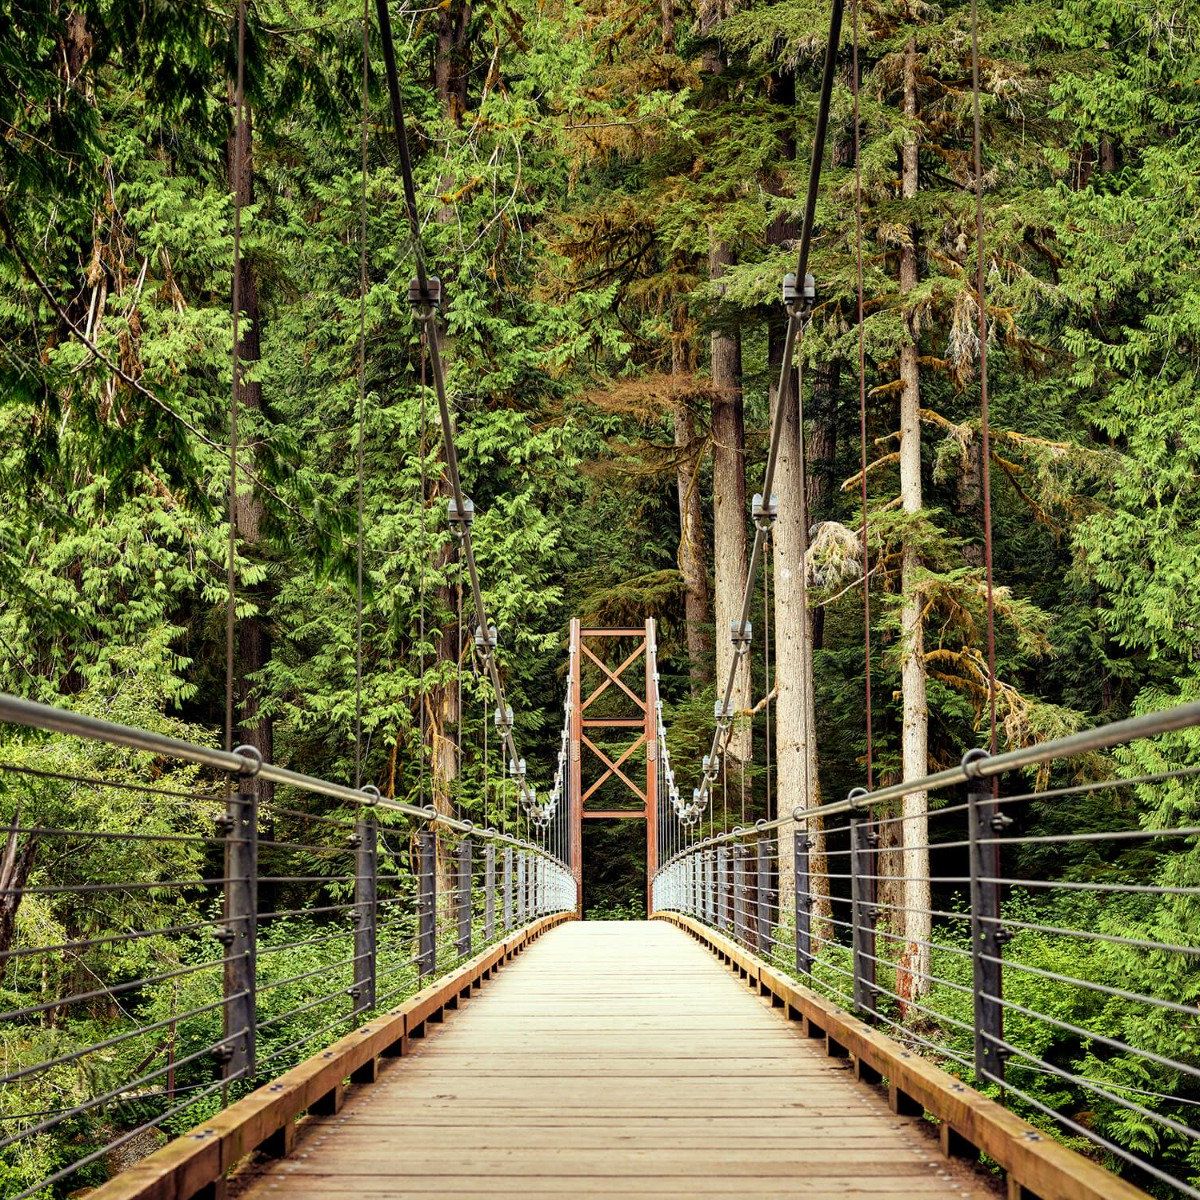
[[912, 979], [697, 609], [253, 648], [821, 440], [16, 861], [795, 705], [451, 68], [729, 515], [443, 720]]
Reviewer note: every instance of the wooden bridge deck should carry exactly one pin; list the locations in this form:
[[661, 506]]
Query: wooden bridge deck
[[614, 1059]]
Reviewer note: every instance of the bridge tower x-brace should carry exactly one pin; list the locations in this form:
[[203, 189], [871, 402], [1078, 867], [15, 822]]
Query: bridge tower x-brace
[[618, 669]]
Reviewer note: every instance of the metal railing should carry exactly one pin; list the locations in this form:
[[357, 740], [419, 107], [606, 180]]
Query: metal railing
[[169, 940], [1038, 937]]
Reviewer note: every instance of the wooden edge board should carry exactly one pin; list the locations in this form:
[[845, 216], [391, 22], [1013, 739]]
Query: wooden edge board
[[201, 1157], [1035, 1162]]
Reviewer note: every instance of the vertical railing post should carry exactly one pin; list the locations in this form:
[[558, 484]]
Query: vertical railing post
[[427, 902], [366, 909], [489, 894], [465, 896], [240, 931], [987, 935], [801, 845], [723, 922], [508, 889], [763, 941], [522, 898], [739, 894], [862, 910]]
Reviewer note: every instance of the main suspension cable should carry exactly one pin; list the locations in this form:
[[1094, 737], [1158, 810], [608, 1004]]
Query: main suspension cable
[[362, 399], [797, 297], [862, 398], [239, 168], [984, 423], [426, 293]]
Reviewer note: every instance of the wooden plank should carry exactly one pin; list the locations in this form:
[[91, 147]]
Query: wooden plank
[[613, 1060], [200, 1158], [1032, 1159]]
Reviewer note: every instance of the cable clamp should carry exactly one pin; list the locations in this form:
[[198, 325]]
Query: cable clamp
[[797, 303], [485, 643], [504, 718], [460, 519], [764, 511], [430, 298], [741, 634]]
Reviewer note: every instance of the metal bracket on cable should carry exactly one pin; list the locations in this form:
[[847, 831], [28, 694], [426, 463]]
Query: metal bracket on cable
[[764, 511], [798, 303], [504, 718], [740, 633], [485, 643], [460, 519], [429, 298]]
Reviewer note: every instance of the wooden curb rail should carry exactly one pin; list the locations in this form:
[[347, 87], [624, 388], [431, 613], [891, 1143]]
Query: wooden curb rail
[[1037, 1166], [194, 1166]]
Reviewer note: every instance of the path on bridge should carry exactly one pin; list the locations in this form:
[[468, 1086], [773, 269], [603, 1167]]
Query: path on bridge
[[614, 1059]]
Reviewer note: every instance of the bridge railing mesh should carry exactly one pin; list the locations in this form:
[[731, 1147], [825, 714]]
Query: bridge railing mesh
[[1029, 921], [179, 926]]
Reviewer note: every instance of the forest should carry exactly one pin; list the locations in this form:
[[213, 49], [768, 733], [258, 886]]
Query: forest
[[611, 194]]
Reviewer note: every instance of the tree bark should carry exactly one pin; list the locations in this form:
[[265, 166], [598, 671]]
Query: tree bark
[[253, 638], [451, 68], [697, 609], [16, 862], [912, 978], [729, 515], [795, 704]]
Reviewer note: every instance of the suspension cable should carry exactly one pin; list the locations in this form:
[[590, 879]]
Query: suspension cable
[[984, 425], [862, 399], [239, 168], [797, 311], [362, 399], [426, 309]]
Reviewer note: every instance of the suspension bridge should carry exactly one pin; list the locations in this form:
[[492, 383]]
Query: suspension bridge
[[334, 992], [462, 1030]]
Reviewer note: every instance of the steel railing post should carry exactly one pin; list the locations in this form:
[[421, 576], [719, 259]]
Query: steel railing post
[[464, 903], [862, 909], [763, 940], [366, 910], [723, 889], [507, 897], [240, 932], [427, 902], [801, 845], [987, 934], [522, 898], [489, 893], [739, 895]]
